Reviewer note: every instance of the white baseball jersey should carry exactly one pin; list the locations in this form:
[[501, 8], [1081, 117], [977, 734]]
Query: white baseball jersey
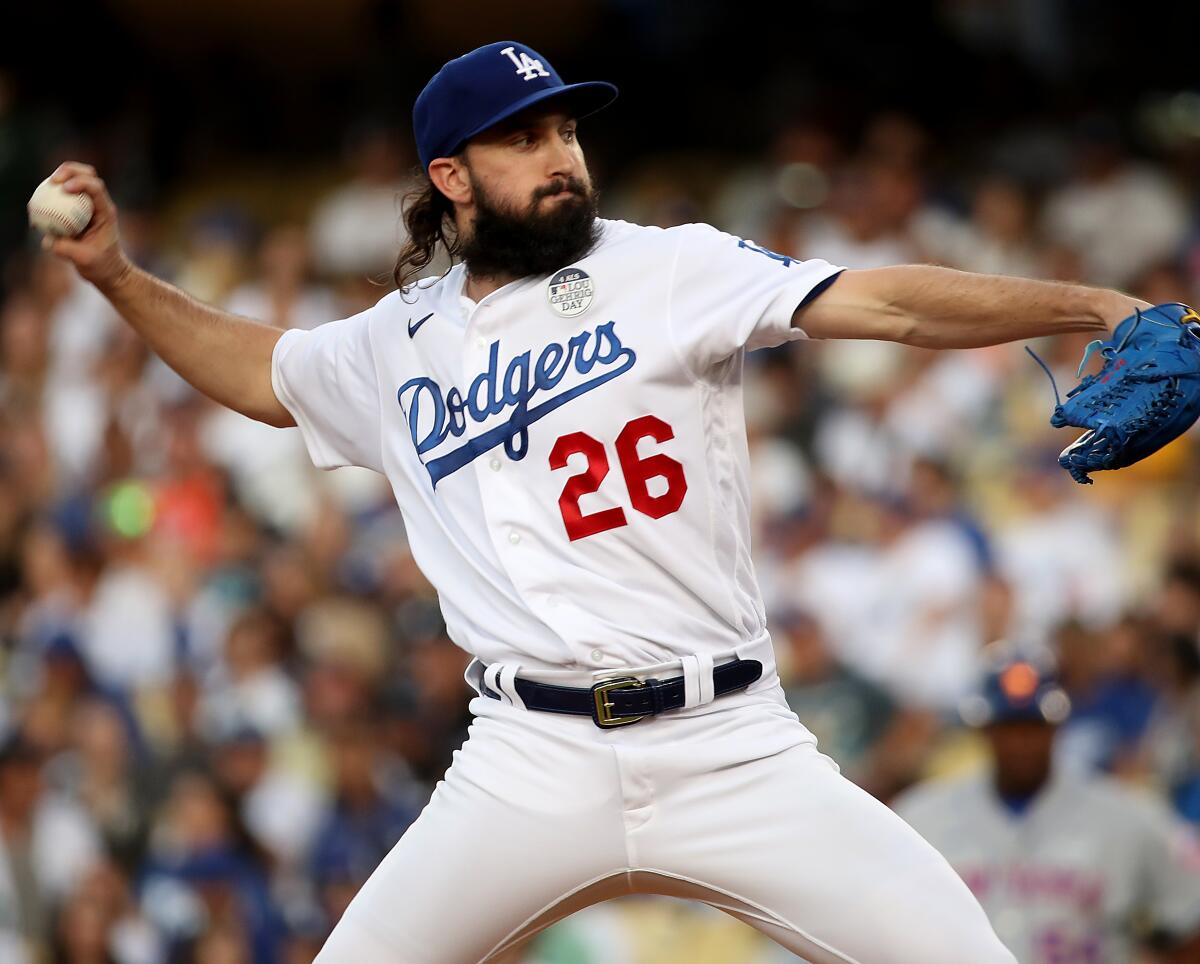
[[569, 454], [1068, 881]]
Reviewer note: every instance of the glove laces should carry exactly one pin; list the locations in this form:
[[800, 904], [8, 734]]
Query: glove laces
[[1092, 347]]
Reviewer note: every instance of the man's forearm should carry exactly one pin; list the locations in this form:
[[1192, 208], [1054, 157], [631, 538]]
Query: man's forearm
[[226, 357], [956, 309], [935, 307]]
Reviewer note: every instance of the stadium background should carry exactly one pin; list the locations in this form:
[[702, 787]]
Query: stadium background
[[224, 687]]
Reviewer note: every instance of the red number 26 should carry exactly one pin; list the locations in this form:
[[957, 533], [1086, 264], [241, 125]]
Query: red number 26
[[637, 470]]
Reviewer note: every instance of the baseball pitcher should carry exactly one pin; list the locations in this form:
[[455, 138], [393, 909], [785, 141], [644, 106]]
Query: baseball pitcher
[[560, 419]]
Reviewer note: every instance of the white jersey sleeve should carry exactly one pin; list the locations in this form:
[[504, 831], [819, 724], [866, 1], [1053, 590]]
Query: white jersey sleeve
[[328, 381], [1171, 868], [727, 293]]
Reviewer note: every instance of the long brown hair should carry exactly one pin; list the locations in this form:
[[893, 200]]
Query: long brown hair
[[429, 218]]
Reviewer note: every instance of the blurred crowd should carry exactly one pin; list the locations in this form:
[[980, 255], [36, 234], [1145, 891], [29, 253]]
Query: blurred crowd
[[225, 688]]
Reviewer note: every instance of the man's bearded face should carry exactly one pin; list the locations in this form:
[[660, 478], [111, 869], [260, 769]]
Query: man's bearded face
[[556, 227]]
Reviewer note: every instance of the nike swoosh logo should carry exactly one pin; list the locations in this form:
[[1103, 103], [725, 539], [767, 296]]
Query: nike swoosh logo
[[414, 325]]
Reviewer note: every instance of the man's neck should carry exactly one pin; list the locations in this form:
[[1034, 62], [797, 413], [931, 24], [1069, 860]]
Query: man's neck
[[477, 288], [1023, 789]]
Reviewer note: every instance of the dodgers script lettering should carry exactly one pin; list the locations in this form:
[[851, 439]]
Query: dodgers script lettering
[[435, 415]]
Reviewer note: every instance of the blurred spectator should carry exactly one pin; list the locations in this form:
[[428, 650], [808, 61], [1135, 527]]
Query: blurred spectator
[[100, 773], [26, 351], [251, 687], [768, 201], [356, 229], [129, 636], [373, 803], [855, 442], [1167, 282], [902, 611], [280, 808], [202, 874], [225, 943], [191, 493], [101, 924], [215, 250], [1111, 703], [1170, 747], [284, 295], [1121, 216], [866, 224], [780, 479], [1061, 556], [997, 237], [943, 402], [56, 584], [846, 713], [1067, 867], [46, 845], [268, 467], [935, 493], [80, 319], [1177, 606]]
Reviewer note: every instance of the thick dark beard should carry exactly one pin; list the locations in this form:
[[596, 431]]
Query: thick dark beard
[[531, 243]]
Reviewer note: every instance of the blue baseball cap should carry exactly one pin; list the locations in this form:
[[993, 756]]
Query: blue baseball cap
[[480, 89], [1017, 690]]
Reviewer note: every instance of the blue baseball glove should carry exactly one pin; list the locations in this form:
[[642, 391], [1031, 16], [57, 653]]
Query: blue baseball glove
[[1147, 393]]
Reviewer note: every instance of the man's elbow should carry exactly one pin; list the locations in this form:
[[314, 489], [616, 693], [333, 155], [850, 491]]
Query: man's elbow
[[860, 306], [276, 419], [269, 411], [908, 330], [863, 324]]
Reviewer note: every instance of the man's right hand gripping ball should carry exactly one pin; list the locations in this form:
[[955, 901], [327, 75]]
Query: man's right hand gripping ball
[[96, 253]]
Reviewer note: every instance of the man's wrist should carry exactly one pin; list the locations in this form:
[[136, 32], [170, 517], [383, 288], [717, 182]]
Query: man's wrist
[[117, 281], [1113, 307]]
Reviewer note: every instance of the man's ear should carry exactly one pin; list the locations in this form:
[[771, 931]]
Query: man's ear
[[449, 175]]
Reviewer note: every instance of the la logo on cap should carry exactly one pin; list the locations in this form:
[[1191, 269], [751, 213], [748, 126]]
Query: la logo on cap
[[528, 67]]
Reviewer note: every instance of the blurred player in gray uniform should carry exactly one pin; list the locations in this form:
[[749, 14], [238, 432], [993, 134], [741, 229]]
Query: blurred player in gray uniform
[[1070, 869]]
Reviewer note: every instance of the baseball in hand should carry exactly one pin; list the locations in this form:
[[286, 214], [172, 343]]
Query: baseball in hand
[[55, 211]]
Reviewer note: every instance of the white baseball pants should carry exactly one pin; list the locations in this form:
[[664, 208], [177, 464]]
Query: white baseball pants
[[730, 803]]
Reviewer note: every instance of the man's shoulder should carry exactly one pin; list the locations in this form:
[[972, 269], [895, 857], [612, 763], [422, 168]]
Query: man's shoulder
[[622, 233], [615, 234]]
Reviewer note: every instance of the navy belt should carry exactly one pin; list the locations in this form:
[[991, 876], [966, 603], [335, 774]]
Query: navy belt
[[626, 699]]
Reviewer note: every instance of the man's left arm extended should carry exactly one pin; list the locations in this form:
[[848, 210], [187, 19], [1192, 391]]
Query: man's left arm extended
[[932, 307]]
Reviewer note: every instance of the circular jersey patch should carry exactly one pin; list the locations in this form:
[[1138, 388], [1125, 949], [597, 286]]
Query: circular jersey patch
[[571, 291]]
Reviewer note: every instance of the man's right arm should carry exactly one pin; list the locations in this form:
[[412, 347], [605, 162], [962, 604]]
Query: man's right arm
[[226, 357]]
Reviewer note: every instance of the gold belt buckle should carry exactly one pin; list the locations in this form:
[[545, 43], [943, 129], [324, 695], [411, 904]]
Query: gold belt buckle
[[602, 708]]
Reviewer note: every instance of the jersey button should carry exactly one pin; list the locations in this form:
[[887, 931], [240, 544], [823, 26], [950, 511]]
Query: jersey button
[[495, 464], [597, 656], [514, 537], [481, 343]]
